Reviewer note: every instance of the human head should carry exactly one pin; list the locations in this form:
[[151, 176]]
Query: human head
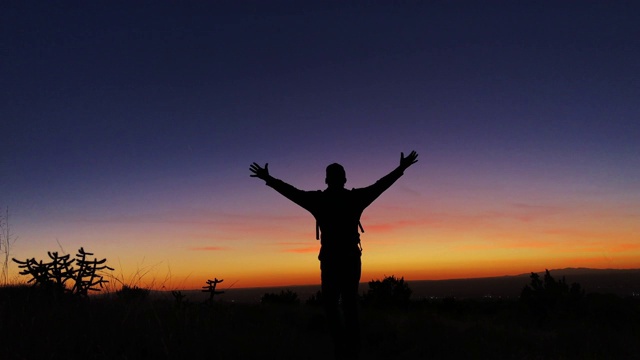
[[336, 176]]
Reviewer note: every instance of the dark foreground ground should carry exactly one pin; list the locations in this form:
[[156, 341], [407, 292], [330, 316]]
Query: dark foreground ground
[[37, 327]]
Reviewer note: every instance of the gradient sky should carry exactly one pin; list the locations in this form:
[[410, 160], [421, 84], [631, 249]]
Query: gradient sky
[[129, 130]]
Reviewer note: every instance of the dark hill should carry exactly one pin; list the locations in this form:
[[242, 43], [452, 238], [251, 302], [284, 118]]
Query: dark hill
[[619, 282]]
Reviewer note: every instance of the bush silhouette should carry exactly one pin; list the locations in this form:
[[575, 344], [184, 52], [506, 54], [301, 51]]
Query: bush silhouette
[[390, 291], [285, 297], [83, 272], [315, 299], [547, 297], [132, 293]]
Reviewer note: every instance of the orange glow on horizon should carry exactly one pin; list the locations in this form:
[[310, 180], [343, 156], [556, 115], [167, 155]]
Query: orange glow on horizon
[[479, 237]]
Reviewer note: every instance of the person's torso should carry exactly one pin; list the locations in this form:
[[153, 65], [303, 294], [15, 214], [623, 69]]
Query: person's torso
[[337, 213]]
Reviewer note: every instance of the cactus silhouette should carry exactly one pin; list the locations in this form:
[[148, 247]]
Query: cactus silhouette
[[55, 273], [211, 289]]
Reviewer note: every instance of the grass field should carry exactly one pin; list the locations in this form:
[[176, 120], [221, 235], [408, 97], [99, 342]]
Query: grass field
[[33, 326]]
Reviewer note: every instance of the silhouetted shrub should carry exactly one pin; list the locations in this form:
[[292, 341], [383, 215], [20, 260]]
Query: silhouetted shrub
[[211, 289], [25, 294], [285, 297], [132, 293], [390, 291], [546, 297], [54, 275], [180, 300], [315, 299]]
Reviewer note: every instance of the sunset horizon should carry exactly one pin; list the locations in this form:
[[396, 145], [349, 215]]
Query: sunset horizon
[[129, 131], [237, 284]]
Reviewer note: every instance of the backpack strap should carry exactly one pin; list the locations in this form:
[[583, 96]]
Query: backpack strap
[[359, 241], [318, 231]]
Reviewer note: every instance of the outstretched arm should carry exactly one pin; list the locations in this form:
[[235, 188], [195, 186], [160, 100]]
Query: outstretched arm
[[372, 192], [299, 197]]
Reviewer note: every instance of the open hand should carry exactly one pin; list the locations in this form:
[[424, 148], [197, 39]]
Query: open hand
[[259, 172], [411, 159]]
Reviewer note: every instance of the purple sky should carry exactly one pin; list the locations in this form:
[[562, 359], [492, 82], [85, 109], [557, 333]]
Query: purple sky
[[155, 110]]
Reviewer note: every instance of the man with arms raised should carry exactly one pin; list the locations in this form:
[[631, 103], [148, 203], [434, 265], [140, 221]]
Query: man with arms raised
[[337, 211]]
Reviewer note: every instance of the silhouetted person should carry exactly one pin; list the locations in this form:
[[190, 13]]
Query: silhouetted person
[[337, 212]]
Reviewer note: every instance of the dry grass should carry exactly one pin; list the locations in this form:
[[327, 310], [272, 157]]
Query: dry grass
[[33, 326]]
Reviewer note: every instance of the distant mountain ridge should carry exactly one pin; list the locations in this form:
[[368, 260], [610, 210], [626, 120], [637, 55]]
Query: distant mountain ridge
[[583, 270], [623, 282]]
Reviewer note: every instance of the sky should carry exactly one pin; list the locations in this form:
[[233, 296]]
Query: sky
[[128, 129]]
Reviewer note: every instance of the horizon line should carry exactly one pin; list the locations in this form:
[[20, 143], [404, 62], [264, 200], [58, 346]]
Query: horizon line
[[421, 280]]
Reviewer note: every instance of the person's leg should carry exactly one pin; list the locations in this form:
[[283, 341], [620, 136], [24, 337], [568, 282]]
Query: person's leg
[[330, 276], [349, 291]]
